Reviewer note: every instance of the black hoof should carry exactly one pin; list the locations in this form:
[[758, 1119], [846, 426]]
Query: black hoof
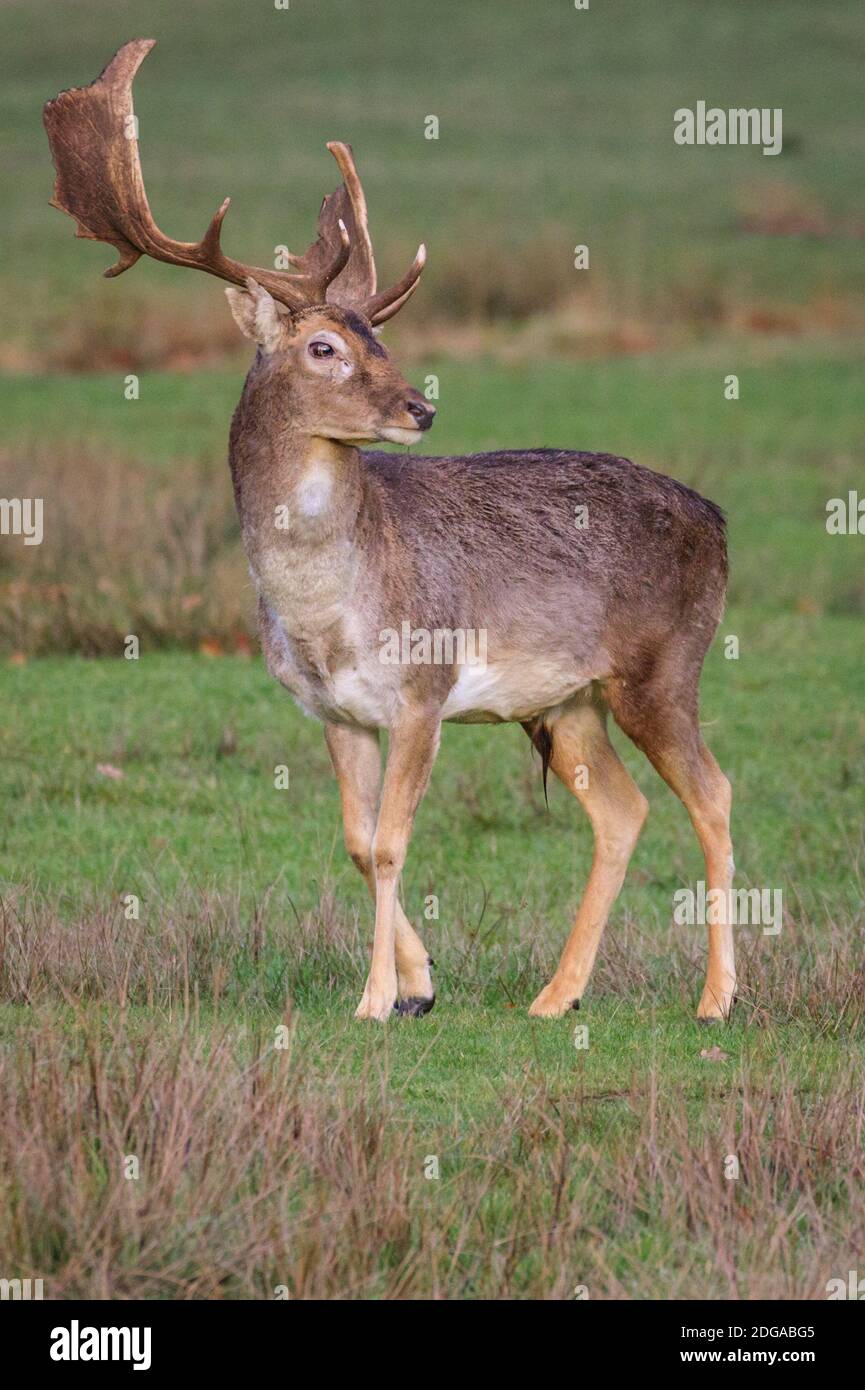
[[576, 1004], [415, 1006]]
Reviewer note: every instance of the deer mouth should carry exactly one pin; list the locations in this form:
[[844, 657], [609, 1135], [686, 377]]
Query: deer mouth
[[419, 414], [396, 435]]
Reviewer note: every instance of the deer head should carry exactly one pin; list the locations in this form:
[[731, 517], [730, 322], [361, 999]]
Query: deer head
[[313, 325], [337, 380]]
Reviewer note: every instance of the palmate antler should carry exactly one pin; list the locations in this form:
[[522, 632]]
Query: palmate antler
[[91, 131]]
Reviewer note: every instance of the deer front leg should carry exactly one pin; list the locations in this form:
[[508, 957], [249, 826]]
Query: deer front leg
[[414, 741], [357, 763]]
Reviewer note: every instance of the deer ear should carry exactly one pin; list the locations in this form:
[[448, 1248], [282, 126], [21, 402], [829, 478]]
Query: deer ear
[[258, 316]]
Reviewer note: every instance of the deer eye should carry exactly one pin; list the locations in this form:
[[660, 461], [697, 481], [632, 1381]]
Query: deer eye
[[320, 350]]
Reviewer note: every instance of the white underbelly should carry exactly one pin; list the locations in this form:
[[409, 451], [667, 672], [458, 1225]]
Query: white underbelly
[[511, 690]]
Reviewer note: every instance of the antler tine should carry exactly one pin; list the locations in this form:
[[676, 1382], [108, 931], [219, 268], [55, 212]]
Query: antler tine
[[380, 307], [320, 282], [359, 280], [358, 287], [342, 213], [91, 132]]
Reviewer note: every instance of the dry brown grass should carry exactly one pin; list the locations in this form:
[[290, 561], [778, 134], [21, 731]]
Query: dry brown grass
[[302, 1167], [480, 296], [253, 1177], [129, 549], [167, 333]]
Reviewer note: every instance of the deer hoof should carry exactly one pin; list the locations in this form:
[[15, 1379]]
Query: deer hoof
[[415, 985], [715, 1009], [378, 1009], [551, 1004], [415, 1006]]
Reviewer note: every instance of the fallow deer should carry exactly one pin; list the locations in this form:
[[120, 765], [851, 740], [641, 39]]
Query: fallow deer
[[612, 616]]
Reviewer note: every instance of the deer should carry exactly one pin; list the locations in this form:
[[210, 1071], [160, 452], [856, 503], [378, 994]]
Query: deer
[[611, 617]]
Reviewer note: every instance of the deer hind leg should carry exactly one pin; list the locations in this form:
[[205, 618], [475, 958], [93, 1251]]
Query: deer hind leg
[[667, 729], [357, 763], [585, 761]]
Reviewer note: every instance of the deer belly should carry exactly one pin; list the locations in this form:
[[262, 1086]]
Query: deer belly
[[509, 690]]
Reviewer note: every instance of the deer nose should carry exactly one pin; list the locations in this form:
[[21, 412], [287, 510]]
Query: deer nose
[[421, 411]]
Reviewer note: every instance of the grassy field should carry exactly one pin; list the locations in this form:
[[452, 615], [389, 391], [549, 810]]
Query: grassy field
[[305, 1168], [260, 1167], [189, 1109]]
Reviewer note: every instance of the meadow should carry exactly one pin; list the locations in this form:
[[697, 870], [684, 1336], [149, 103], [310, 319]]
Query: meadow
[[190, 1110]]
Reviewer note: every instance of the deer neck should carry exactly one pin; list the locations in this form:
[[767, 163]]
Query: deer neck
[[299, 497], [320, 482]]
